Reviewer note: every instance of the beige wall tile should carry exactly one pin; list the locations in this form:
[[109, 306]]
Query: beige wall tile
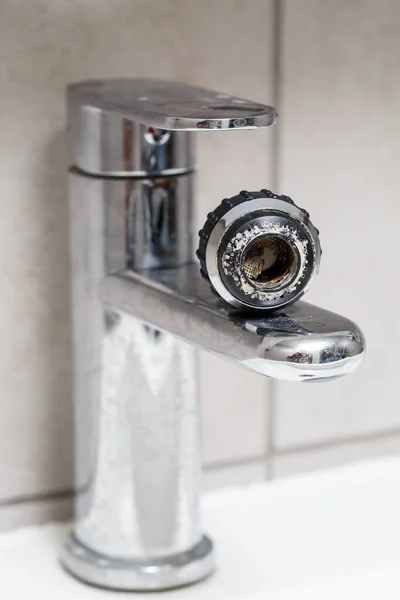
[[339, 148], [234, 410], [325, 457], [45, 45]]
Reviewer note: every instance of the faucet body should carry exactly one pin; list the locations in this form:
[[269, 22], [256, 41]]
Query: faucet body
[[140, 309]]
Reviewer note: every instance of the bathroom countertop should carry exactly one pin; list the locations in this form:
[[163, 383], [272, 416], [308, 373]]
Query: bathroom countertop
[[319, 536]]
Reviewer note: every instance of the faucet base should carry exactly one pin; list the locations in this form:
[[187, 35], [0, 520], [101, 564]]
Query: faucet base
[[133, 575]]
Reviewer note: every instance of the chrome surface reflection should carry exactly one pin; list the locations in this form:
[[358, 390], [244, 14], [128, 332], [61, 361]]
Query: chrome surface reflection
[[143, 126], [144, 509], [137, 440], [299, 343], [139, 309]]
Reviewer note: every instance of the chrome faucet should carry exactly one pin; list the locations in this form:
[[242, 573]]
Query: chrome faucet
[[140, 308]]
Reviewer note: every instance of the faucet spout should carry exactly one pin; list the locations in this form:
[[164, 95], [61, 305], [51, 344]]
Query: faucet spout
[[301, 343]]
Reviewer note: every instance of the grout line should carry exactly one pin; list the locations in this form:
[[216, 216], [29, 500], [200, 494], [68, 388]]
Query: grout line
[[69, 492], [276, 93], [64, 494], [276, 88], [41, 497], [239, 462], [359, 439]]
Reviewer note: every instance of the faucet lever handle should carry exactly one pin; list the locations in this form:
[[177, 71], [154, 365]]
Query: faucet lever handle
[[171, 105], [142, 127]]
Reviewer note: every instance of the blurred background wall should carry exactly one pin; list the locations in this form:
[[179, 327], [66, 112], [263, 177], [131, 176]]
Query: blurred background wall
[[331, 67]]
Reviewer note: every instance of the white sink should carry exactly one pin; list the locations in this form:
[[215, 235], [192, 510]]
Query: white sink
[[319, 536]]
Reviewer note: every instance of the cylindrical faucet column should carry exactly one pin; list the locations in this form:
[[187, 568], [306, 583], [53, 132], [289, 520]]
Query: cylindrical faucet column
[[138, 462]]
